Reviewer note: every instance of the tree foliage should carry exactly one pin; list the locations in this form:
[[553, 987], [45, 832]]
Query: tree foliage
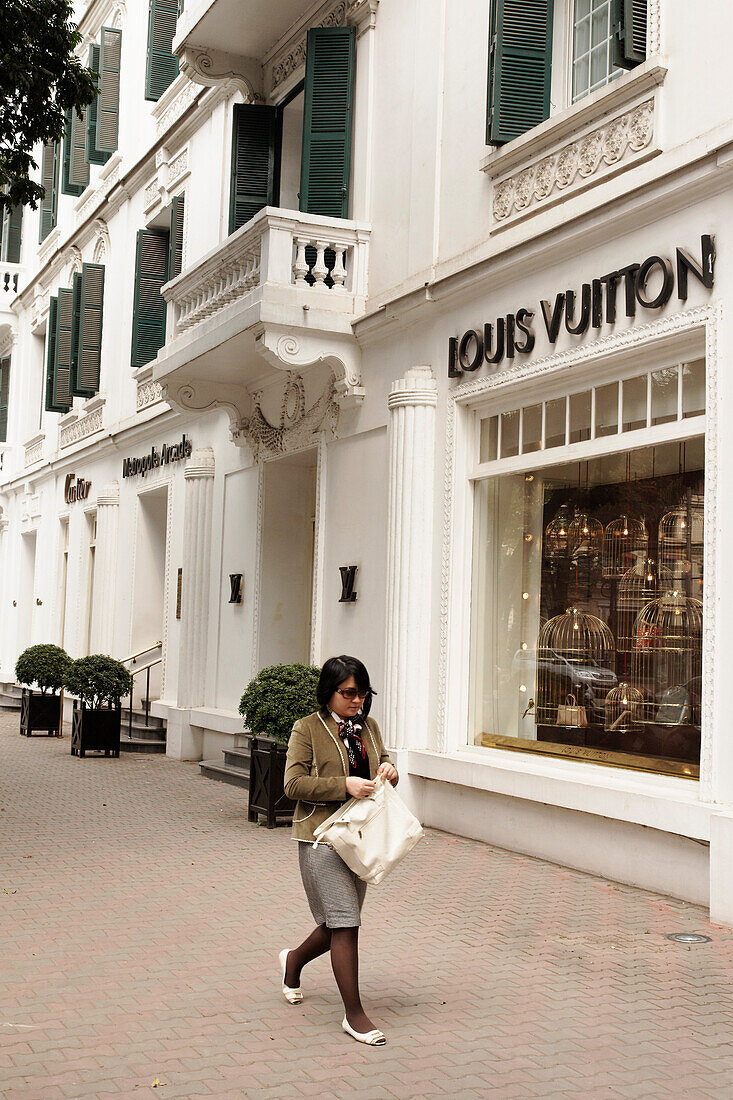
[[45, 665], [40, 79], [277, 697], [98, 681]]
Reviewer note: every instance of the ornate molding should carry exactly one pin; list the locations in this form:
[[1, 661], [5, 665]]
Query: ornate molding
[[178, 166], [205, 396], [363, 14], [152, 193], [74, 260], [292, 54], [102, 244], [148, 393], [298, 426], [34, 450], [286, 351], [171, 110], [81, 428], [619, 141]]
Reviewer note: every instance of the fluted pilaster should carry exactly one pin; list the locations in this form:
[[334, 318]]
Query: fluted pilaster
[[105, 570], [199, 481], [412, 401]]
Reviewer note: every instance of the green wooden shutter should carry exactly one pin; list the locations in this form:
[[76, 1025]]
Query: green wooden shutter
[[51, 356], [108, 101], [254, 161], [327, 121], [75, 324], [93, 153], [175, 258], [149, 306], [89, 354], [4, 398], [162, 64], [75, 172], [629, 32], [50, 182], [520, 62], [61, 389], [12, 222]]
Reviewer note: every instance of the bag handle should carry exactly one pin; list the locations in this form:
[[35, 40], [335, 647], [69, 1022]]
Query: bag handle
[[570, 700]]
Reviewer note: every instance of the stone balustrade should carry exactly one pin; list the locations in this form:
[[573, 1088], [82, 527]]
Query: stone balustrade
[[34, 450], [322, 258]]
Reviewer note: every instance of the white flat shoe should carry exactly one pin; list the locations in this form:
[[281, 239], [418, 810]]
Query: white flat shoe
[[371, 1038], [292, 996]]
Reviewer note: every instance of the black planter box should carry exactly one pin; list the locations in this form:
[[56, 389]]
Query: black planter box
[[266, 772], [41, 713], [95, 730]]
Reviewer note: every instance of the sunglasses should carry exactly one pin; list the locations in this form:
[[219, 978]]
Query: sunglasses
[[352, 693]]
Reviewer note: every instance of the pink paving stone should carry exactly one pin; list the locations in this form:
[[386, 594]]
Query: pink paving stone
[[157, 958]]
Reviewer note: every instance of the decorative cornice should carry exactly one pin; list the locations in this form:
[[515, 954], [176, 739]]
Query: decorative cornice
[[362, 14], [176, 100], [214, 67], [82, 427], [287, 351], [102, 244], [619, 142]]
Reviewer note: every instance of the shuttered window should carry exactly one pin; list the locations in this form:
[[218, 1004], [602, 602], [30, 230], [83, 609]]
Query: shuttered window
[[149, 306], [93, 153], [75, 171], [162, 64], [51, 356], [327, 121], [520, 60], [108, 100], [50, 181], [175, 257], [254, 162], [629, 32], [61, 389], [4, 397], [75, 324], [89, 345], [12, 221]]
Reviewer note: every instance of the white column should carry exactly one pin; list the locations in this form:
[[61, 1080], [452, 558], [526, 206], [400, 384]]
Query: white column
[[105, 569], [199, 479], [412, 401]]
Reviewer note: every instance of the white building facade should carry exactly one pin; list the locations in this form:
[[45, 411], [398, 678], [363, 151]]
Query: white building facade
[[326, 350]]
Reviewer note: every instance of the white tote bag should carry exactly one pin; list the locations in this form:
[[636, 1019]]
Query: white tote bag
[[371, 834]]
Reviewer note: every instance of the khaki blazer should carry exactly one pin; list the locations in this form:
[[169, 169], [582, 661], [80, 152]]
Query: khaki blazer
[[317, 768]]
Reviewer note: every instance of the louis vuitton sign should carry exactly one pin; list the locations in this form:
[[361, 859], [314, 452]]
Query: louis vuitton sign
[[636, 288]]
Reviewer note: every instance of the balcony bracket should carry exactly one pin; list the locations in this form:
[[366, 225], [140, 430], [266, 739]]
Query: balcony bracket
[[213, 67], [290, 351], [204, 396]]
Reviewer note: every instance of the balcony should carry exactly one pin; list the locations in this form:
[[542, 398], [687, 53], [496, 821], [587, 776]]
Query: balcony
[[283, 290]]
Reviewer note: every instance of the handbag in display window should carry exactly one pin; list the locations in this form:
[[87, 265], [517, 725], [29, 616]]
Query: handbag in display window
[[570, 714], [674, 707], [371, 834]]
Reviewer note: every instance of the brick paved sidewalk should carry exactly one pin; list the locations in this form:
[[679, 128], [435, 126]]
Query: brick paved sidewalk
[[142, 915]]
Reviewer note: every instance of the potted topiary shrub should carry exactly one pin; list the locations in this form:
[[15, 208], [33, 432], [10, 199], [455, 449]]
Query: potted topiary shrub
[[99, 683], [43, 710], [273, 701]]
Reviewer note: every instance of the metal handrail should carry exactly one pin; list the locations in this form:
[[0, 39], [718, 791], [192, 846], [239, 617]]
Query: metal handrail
[[134, 656], [146, 670]]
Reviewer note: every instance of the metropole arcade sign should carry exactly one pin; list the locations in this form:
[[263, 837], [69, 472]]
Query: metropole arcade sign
[[157, 457], [648, 285]]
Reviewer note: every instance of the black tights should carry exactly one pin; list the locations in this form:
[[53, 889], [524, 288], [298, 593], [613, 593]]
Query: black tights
[[344, 947]]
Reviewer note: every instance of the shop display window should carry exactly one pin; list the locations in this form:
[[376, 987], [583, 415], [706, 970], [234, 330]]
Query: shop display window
[[588, 573]]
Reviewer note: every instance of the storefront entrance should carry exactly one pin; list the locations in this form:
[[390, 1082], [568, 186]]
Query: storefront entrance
[[286, 559], [148, 608]]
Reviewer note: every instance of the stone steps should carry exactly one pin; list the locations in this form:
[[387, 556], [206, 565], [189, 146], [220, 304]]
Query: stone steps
[[9, 697], [150, 738], [234, 769]]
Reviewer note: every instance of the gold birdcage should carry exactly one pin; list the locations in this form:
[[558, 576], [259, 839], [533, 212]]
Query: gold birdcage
[[556, 534], [575, 656], [623, 540], [585, 538], [622, 707], [641, 584], [682, 545], [667, 659]]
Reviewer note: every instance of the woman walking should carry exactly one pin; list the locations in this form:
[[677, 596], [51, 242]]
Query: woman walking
[[333, 755]]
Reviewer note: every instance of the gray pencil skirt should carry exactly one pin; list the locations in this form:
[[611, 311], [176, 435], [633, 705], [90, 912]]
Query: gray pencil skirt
[[335, 894]]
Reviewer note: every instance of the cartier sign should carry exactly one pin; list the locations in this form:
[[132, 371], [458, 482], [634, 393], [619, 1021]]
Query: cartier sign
[[647, 286], [76, 488]]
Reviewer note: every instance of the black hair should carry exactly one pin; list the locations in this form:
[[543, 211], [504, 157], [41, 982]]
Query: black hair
[[338, 669]]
